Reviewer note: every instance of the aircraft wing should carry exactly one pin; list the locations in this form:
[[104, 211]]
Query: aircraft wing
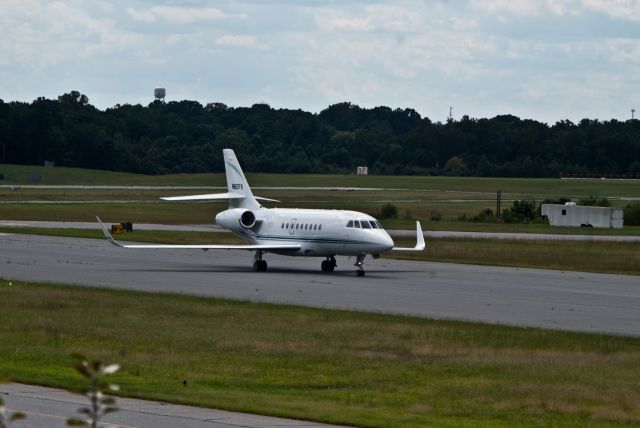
[[110, 238], [419, 241]]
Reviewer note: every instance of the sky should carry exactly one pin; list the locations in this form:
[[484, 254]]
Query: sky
[[547, 60]]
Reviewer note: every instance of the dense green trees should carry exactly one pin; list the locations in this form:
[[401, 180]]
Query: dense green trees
[[186, 136]]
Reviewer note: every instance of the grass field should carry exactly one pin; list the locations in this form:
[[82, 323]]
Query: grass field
[[339, 367], [415, 197], [19, 174], [161, 212]]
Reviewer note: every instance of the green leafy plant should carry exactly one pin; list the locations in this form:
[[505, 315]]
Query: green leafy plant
[[389, 211], [6, 418], [594, 201], [632, 215], [99, 404]]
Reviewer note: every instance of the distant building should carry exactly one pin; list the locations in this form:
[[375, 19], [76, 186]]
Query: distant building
[[571, 214], [362, 170]]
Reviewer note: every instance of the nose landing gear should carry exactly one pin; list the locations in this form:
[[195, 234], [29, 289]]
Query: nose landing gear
[[329, 264], [359, 263]]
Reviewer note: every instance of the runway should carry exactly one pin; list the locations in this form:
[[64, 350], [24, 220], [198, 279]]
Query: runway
[[50, 407], [525, 297], [394, 233]]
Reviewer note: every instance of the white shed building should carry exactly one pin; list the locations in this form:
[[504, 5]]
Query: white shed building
[[571, 214]]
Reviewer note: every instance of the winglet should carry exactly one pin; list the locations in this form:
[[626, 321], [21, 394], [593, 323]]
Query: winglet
[[420, 244], [107, 235]]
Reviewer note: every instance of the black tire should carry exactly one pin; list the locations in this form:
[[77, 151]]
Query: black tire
[[324, 266], [263, 265], [359, 273], [256, 266]]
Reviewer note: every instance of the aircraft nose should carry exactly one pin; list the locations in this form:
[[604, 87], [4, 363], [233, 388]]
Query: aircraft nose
[[386, 241]]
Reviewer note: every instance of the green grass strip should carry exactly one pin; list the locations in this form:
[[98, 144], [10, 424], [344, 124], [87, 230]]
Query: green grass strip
[[339, 367]]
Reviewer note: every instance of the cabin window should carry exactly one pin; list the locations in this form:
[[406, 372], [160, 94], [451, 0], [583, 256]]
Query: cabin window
[[564, 212], [306, 226], [297, 226], [287, 225], [373, 224], [356, 224], [319, 227], [365, 224], [282, 227], [350, 224]]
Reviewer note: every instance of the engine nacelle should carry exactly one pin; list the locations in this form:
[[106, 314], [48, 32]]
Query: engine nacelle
[[238, 218], [247, 219]]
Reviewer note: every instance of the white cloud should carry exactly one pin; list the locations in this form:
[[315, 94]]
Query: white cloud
[[40, 33], [176, 14], [526, 7], [622, 9], [461, 24], [616, 50], [369, 18], [142, 15], [237, 40]]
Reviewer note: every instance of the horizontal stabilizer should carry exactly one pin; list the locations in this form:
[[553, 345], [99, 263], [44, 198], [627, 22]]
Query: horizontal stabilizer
[[107, 234], [420, 244], [212, 197], [209, 197]]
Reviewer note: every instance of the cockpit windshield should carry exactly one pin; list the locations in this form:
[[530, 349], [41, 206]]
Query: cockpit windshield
[[364, 224]]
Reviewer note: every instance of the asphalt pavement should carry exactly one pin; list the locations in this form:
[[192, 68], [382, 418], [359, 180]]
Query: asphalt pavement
[[50, 408], [525, 297], [394, 233]]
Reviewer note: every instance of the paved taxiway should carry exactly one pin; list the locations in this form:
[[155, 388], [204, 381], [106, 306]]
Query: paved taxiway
[[394, 233], [49, 407], [527, 297]]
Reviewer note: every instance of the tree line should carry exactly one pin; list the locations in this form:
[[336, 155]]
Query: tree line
[[186, 136]]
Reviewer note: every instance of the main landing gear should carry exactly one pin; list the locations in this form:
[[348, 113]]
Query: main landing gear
[[358, 263], [329, 264], [259, 265]]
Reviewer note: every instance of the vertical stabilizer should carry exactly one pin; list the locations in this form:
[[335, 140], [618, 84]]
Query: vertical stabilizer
[[237, 183]]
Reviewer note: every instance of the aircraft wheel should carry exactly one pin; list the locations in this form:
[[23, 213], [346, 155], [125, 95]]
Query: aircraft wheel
[[263, 265], [359, 272], [324, 266], [256, 266]]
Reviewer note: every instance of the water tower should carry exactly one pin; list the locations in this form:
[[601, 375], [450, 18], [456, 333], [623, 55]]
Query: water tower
[[159, 93]]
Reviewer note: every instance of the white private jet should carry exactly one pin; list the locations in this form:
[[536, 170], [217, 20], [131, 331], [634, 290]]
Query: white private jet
[[288, 231]]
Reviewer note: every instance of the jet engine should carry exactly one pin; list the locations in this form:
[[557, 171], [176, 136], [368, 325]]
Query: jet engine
[[239, 219], [247, 219]]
